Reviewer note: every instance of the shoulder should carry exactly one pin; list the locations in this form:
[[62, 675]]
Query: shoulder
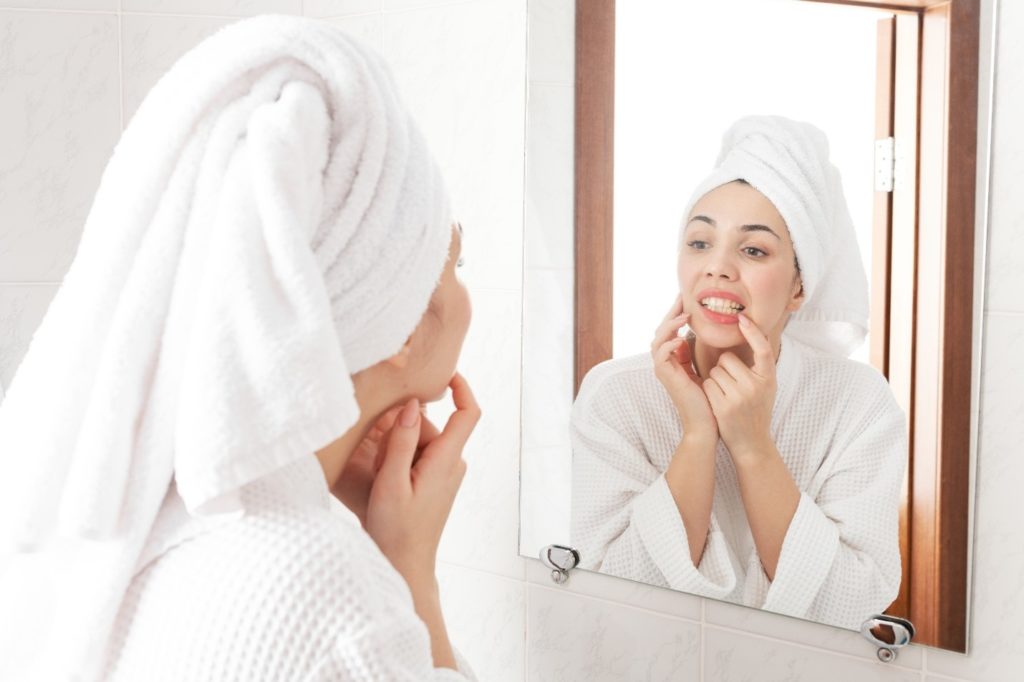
[[620, 382], [855, 390]]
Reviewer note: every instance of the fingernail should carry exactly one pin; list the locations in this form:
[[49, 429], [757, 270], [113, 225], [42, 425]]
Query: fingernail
[[743, 319], [410, 413]]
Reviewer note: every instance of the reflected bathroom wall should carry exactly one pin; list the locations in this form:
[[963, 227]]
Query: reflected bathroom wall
[[815, 63]]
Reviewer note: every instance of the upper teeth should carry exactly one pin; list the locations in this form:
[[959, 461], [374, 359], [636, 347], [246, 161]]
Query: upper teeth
[[721, 305]]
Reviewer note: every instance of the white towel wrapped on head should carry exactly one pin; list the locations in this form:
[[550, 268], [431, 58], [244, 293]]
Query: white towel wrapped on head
[[270, 223], [788, 162]]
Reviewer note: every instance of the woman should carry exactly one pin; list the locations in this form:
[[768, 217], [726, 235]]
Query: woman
[[264, 296], [750, 460]]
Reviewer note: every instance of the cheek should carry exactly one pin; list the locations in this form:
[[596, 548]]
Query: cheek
[[771, 289]]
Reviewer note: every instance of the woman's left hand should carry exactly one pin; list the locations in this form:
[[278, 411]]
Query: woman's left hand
[[742, 397], [356, 480]]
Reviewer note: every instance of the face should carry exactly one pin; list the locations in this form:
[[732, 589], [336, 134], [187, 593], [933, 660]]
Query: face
[[435, 345], [737, 256]]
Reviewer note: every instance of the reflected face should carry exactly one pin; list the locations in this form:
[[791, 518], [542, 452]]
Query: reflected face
[[437, 341], [737, 255]]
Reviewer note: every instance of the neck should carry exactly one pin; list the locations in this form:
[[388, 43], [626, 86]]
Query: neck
[[335, 455]]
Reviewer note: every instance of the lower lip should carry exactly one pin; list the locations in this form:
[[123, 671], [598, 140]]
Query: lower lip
[[719, 317]]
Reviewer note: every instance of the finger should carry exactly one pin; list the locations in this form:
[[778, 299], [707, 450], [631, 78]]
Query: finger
[[461, 422], [684, 356], [402, 447], [666, 350], [764, 358], [714, 393], [736, 368], [725, 382], [428, 432], [387, 420], [669, 329]]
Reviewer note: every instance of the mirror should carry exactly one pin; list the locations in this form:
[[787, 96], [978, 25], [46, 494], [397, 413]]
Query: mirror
[[894, 87]]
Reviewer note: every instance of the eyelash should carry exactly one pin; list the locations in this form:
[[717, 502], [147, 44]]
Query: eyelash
[[459, 263], [746, 248]]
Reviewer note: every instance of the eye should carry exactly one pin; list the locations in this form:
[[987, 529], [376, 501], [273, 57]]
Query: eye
[[759, 253], [697, 244]]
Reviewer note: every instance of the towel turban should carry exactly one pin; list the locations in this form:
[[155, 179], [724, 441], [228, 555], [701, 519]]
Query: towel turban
[[788, 162]]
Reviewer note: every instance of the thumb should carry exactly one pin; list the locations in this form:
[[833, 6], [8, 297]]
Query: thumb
[[401, 449]]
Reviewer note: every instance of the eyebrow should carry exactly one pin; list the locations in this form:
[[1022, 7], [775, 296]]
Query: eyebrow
[[743, 228]]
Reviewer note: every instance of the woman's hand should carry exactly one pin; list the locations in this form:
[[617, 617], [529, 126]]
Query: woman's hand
[[411, 497], [742, 397], [354, 485], [674, 369]]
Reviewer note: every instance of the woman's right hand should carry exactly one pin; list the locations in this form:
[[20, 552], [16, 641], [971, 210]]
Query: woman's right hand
[[412, 496], [674, 369]]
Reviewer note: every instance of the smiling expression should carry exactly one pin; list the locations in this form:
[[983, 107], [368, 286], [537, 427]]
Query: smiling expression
[[737, 256]]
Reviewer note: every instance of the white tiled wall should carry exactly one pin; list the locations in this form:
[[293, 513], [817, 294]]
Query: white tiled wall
[[68, 66]]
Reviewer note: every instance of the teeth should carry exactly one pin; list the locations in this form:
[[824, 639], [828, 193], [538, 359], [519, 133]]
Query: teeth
[[722, 305]]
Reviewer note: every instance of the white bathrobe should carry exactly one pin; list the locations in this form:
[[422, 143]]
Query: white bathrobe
[[843, 438], [292, 590]]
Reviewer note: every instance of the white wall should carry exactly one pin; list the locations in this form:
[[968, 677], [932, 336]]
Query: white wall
[[464, 71]]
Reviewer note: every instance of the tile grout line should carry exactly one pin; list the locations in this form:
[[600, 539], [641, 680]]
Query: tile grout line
[[703, 622], [120, 60], [816, 649]]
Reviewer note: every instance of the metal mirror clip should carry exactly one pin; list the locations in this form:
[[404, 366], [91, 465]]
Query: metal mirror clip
[[888, 633], [560, 559]]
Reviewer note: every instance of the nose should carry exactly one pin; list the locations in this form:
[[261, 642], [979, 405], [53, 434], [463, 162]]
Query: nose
[[720, 265]]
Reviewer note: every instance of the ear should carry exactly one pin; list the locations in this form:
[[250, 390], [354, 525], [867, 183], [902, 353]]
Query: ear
[[798, 297], [400, 360]]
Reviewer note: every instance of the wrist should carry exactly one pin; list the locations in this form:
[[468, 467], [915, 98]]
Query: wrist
[[698, 441], [752, 452]]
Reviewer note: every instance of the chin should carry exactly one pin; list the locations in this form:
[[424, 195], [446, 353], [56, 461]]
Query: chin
[[719, 335]]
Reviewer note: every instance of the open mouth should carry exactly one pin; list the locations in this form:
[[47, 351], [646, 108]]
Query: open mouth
[[722, 306]]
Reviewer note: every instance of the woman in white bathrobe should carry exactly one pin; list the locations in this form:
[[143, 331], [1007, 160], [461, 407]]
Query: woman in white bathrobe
[[264, 296], [749, 459]]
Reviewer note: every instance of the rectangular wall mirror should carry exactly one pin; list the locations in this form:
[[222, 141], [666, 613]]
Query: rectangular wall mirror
[[894, 86]]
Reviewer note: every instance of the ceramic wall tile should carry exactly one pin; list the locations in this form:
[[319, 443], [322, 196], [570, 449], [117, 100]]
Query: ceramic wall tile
[[338, 8], [552, 41], [1005, 272], [483, 530], [800, 631], [996, 628], [151, 46], [76, 5], [22, 307], [731, 656], [366, 28], [547, 357], [545, 500], [486, 618], [548, 240], [58, 126], [734, 656], [572, 637], [461, 70], [230, 8], [619, 591]]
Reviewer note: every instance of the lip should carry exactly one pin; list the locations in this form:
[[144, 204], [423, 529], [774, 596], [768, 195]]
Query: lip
[[719, 317], [719, 293]]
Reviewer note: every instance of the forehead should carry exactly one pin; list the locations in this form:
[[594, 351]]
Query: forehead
[[735, 204]]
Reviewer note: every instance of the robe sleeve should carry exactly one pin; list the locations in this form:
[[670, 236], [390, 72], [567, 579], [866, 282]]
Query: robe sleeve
[[397, 649], [840, 559], [625, 521]]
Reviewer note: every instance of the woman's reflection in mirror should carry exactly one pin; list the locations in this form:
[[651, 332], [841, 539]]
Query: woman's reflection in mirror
[[746, 457]]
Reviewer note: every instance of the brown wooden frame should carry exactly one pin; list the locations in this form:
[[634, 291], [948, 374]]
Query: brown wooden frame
[[940, 373]]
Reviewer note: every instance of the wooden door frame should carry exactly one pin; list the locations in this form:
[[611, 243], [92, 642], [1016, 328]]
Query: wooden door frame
[[939, 484]]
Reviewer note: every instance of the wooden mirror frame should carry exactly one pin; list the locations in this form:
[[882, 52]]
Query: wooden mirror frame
[[936, 373]]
